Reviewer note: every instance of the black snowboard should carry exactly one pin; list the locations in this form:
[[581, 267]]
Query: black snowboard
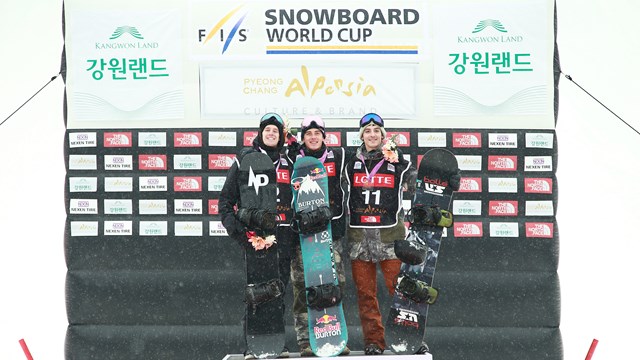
[[264, 325], [407, 321]]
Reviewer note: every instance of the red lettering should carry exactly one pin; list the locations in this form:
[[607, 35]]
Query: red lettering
[[378, 180], [283, 176], [331, 169]]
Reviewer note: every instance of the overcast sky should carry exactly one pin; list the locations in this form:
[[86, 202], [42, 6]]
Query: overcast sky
[[598, 170]]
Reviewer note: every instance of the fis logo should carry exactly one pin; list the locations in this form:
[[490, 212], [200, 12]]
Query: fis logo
[[226, 34]]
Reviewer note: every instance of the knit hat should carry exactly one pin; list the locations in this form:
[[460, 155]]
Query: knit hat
[[272, 119], [312, 122], [369, 119]]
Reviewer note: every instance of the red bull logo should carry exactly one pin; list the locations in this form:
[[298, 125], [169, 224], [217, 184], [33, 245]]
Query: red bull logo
[[316, 171], [326, 319]]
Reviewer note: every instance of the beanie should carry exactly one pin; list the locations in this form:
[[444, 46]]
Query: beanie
[[272, 119], [372, 119], [312, 122]]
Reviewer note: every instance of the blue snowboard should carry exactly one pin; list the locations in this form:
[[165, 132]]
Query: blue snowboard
[[264, 323], [406, 325], [327, 327]]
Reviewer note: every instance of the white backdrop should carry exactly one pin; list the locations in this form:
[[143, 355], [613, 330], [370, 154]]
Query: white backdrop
[[597, 179]]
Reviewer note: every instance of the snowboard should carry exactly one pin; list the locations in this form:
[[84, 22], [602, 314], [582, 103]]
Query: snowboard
[[264, 327], [327, 328], [406, 324]]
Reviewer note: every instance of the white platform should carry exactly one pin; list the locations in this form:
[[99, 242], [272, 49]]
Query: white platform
[[355, 355]]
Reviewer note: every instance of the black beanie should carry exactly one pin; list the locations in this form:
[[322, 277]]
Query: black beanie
[[272, 119]]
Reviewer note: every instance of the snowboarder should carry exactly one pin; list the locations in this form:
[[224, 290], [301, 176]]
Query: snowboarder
[[270, 140], [312, 135], [375, 175]]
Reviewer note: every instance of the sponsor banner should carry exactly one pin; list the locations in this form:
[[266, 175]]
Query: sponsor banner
[[123, 65], [221, 161], [118, 228], [83, 184], [247, 137], [539, 208], [118, 206], [187, 162], [152, 139], [152, 183], [82, 140], [187, 139], [118, 162], [153, 228], [83, 162], [469, 162], [504, 229], [467, 207], [118, 184], [494, 59], [217, 229], [538, 185], [539, 230], [83, 206], [539, 140], [502, 163], [311, 88], [538, 163], [152, 162], [353, 138], [187, 206], [84, 228], [470, 185], [117, 139], [188, 228], [467, 229], [222, 138], [467, 140], [216, 183], [187, 183], [152, 207], [403, 138], [503, 185], [432, 139], [503, 141], [333, 138], [503, 208], [213, 207]]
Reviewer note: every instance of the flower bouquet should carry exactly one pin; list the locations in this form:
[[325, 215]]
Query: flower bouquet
[[390, 149], [260, 243]]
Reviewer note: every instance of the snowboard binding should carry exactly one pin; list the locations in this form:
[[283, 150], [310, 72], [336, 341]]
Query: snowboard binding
[[412, 250], [258, 219], [422, 215], [416, 290], [256, 294], [323, 296], [312, 221]]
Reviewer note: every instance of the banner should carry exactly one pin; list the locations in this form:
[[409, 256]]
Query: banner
[[206, 63]]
